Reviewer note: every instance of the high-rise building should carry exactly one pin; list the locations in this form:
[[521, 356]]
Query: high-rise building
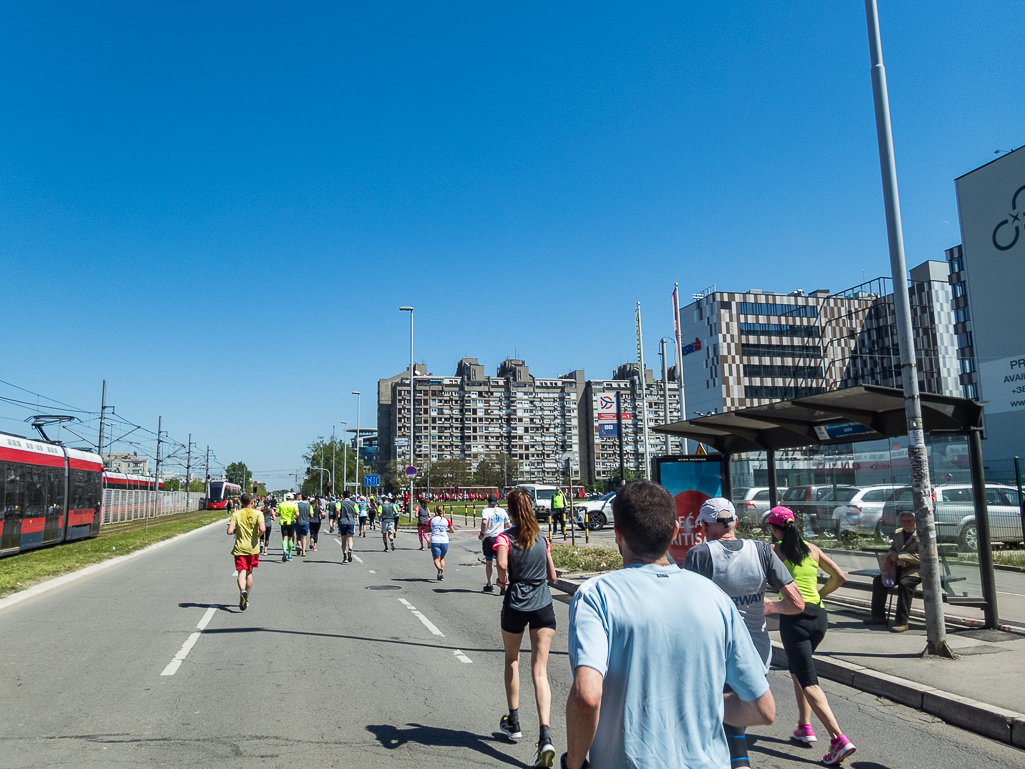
[[752, 348]]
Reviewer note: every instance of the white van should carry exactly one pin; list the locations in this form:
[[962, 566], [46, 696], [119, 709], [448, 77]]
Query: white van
[[541, 496]]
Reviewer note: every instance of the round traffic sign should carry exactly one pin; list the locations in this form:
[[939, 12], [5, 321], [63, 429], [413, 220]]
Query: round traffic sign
[[411, 471]]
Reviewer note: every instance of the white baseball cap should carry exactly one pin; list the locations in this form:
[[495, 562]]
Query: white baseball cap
[[717, 510]]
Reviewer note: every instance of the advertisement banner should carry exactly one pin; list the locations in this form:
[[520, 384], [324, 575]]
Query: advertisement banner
[[1003, 382], [608, 430], [691, 480]]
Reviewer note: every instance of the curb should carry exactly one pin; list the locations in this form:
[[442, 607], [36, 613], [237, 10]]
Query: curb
[[989, 721], [85, 571]]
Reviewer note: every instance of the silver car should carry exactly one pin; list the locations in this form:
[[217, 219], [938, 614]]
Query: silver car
[[753, 505], [597, 512], [862, 513]]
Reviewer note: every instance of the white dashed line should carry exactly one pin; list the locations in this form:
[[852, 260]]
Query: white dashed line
[[427, 623], [461, 657], [372, 571], [179, 658], [357, 558]]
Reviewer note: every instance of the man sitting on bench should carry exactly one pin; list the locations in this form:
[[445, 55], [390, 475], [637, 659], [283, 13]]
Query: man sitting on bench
[[903, 555]]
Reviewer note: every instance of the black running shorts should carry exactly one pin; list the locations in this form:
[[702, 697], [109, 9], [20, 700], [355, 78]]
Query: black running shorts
[[516, 621], [488, 547]]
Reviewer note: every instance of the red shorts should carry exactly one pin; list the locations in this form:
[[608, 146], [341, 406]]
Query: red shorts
[[244, 562]]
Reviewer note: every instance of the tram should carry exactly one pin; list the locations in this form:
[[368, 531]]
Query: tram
[[221, 494], [48, 494]]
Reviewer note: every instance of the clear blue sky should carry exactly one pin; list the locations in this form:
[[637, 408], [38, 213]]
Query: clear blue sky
[[220, 206]]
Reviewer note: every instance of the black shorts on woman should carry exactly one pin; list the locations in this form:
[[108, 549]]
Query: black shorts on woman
[[528, 602]]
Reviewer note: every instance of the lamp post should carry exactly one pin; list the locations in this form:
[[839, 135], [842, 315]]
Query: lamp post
[[345, 458], [356, 393], [412, 402]]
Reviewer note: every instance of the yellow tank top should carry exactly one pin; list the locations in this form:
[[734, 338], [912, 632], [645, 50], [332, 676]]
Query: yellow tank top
[[806, 577]]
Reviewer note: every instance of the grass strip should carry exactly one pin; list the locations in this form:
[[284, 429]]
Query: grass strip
[[25, 569], [586, 558]]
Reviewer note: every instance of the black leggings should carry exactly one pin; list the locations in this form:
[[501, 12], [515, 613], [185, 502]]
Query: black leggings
[[314, 531], [265, 537], [801, 635]]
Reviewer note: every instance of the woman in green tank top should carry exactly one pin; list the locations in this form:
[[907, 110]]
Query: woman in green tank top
[[802, 633]]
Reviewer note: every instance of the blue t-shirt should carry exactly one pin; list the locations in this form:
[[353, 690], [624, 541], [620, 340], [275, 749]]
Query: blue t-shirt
[[665, 641]]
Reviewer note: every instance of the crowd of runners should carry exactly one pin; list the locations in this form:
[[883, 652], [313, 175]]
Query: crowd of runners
[[624, 625]]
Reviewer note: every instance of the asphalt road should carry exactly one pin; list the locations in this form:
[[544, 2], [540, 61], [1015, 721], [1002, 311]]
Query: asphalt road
[[371, 663]]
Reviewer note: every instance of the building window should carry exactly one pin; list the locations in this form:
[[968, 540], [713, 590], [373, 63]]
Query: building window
[[753, 370], [779, 392], [964, 340], [788, 310], [959, 290], [960, 314], [956, 264], [971, 392], [967, 365], [779, 329], [780, 350]]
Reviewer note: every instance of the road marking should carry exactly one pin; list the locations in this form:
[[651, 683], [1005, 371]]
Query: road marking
[[419, 615], [372, 571], [461, 657], [1019, 595], [179, 658], [357, 558]]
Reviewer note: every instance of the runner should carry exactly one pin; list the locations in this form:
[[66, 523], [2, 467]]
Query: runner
[[440, 527], [287, 511], [389, 521], [373, 513], [525, 568], [246, 524], [423, 522], [302, 524], [346, 525], [268, 521], [331, 513], [363, 508], [743, 569], [802, 633], [493, 521], [316, 518]]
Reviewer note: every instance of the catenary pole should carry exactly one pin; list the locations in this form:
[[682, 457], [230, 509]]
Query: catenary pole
[[678, 354], [665, 387], [206, 484], [359, 489], [103, 414], [188, 469], [345, 458], [156, 475], [935, 625]]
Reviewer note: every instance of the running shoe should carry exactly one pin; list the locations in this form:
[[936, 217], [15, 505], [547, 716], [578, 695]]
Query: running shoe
[[839, 748], [545, 754], [350, 556], [392, 545], [489, 588], [510, 729], [804, 733], [441, 574], [386, 548], [243, 601], [289, 558]]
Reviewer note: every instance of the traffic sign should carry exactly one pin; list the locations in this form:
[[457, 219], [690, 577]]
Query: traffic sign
[[402, 441], [371, 480], [410, 471]]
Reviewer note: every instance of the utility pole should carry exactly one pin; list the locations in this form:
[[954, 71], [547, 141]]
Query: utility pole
[[334, 468], [156, 475], [206, 492], [103, 414], [188, 469], [921, 487], [679, 361], [644, 395], [665, 386]]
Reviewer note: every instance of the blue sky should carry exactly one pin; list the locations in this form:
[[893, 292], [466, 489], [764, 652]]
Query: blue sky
[[220, 206]]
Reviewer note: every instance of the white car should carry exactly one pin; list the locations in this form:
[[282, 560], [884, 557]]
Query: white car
[[862, 513], [597, 512]]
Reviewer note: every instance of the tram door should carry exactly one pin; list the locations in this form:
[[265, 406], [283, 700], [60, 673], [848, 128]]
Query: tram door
[[12, 493], [53, 481]]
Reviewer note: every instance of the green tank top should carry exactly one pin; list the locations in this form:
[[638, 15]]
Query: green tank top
[[806, 577]]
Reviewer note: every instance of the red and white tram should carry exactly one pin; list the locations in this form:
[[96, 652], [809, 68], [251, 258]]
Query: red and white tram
[[48, 494]]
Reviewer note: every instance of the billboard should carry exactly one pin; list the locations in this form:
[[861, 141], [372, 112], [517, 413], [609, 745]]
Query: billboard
[[691, 480]]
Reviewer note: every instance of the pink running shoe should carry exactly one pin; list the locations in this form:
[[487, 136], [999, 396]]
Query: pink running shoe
[[839, 748], [804, 733]]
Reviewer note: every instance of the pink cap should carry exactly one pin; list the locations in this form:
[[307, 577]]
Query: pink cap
[[780, 516]]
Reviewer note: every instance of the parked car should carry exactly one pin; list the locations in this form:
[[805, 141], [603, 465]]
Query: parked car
[[816, 504], [862, 513], [752, 504], [596, 512], [955, 513]]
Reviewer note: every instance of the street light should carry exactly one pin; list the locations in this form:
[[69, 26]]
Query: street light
[[412, 402], [356, 393], [345, 458]]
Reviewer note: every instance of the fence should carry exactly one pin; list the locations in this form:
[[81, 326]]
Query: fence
[[121, 505]]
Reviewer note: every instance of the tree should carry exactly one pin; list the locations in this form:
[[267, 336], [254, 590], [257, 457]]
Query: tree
[[197, 484], [237, 472], [335, 456], [497, 470], [393, 476], [450, 472]]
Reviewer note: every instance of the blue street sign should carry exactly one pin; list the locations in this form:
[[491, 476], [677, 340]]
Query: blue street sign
[[371, 480]]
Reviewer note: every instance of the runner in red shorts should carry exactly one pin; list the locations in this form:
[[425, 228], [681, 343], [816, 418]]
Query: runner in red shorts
[[247, 526]]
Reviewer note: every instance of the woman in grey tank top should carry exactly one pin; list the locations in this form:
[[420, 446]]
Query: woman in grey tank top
[[525, 568]]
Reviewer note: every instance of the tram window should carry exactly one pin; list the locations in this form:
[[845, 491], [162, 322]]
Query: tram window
[[35, 483], [54, 488], [14, 490], [84, 492]]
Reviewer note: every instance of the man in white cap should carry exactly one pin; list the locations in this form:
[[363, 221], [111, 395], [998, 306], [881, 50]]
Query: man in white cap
[[743, 569]]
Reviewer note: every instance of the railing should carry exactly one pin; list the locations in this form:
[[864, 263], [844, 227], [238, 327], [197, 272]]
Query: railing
[[122, 505]]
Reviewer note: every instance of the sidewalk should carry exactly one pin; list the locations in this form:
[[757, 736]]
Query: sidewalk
[[980, 691]]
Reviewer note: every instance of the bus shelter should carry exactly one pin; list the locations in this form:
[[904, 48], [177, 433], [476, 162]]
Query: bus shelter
[[850, 417]]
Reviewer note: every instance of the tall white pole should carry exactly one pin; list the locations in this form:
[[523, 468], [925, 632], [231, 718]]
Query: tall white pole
[[412, 404], [665, 386], [684, 448], [358, 488], [345, 460], [644, 394], [334, 467]]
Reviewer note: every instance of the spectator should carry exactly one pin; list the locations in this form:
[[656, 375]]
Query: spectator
[[903, 559], [630, 627]]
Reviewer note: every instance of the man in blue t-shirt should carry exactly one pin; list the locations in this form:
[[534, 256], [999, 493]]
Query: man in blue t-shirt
[[629, 628]]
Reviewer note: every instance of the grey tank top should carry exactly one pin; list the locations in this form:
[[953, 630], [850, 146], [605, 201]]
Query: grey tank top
[[528, 573], [741, 575]]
